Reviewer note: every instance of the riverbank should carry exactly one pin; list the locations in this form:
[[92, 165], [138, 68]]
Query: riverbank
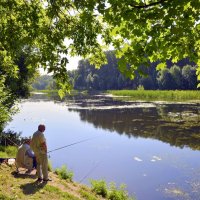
[[157, 95], [24, 186], [142, 95]]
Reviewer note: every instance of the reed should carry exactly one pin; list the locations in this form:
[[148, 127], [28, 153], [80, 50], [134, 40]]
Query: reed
[[160, 95]]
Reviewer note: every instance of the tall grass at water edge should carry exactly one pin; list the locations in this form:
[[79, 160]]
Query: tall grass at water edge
[[160, 95]]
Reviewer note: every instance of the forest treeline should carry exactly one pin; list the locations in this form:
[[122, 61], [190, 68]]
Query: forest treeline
[[179, 76]]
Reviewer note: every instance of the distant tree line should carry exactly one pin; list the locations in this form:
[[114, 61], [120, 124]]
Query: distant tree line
[[44, 82], [180, 76]]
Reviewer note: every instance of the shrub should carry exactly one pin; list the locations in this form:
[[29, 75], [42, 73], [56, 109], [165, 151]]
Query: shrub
[[140, 87], [99, 187], [117, 194], [111, 193], [64, 173], [9, 151]]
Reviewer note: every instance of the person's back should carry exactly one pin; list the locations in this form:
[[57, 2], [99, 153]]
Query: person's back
[[37, 143], [22, 159]]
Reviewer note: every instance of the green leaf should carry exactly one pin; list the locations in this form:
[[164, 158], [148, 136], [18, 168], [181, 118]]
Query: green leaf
[[122, 65], [161, 66], [61, 93]]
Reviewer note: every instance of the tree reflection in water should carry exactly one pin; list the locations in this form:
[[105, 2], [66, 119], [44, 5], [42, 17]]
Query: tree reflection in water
[[176, 124]]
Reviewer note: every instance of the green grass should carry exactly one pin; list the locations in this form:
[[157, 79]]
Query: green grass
[[99, 187], [24, 187], [159, 95], [87, 195], [64, 173], [8, 151], [5, 197], [57, 191], [110, 191]]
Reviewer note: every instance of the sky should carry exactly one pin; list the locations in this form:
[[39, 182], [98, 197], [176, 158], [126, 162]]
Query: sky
[[73, 64]]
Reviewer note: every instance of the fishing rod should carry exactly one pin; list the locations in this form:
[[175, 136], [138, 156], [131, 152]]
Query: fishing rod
[[81, 141]]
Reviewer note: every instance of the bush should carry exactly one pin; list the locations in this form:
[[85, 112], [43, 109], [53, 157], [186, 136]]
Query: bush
[[117, 194], [64, 173], [9, 151], [111, 193], [99, 187]]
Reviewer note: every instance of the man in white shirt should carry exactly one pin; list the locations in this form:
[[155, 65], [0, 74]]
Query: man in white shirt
[[25, 157], [39, 146]]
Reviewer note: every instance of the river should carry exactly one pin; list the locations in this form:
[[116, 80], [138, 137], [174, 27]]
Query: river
[[151, 147]]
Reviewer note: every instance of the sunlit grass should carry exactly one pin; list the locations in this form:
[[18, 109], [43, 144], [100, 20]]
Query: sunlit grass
[[152, 95], [110, 191], [64, 173], [8, 151]]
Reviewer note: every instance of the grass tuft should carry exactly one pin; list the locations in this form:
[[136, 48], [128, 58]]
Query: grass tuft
[[109, 192], [64, 173]]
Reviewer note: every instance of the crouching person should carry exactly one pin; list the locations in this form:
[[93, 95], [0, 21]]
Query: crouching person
[[25, 157]]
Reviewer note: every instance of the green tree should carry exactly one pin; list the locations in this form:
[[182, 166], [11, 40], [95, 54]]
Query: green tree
[[165, 80], [177, 77], [189, 78], [5, 104], [140, 31], [147, 83], [44, 82]]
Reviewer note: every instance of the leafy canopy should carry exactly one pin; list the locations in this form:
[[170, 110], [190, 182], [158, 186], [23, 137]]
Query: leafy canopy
[[141, 31]]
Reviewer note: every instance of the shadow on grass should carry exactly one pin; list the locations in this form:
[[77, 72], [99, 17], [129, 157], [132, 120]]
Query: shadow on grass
[[23, 176], [32, 188]]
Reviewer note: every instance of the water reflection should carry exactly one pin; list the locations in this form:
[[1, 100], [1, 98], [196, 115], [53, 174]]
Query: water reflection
[[177, 125]]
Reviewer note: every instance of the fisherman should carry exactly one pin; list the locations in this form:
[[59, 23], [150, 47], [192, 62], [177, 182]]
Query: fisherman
[[25, 157], [39, 146]]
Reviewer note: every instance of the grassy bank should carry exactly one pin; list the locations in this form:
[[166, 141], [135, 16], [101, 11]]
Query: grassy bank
[[158, 95], [24, 186]]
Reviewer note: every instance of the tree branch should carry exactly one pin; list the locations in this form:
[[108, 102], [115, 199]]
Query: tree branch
[[147, 5]]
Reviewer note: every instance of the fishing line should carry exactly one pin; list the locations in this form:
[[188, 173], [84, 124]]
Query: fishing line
[[81, 141], [89, 172]]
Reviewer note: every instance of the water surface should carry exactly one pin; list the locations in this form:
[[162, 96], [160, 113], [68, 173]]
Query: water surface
[[153, 148]]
